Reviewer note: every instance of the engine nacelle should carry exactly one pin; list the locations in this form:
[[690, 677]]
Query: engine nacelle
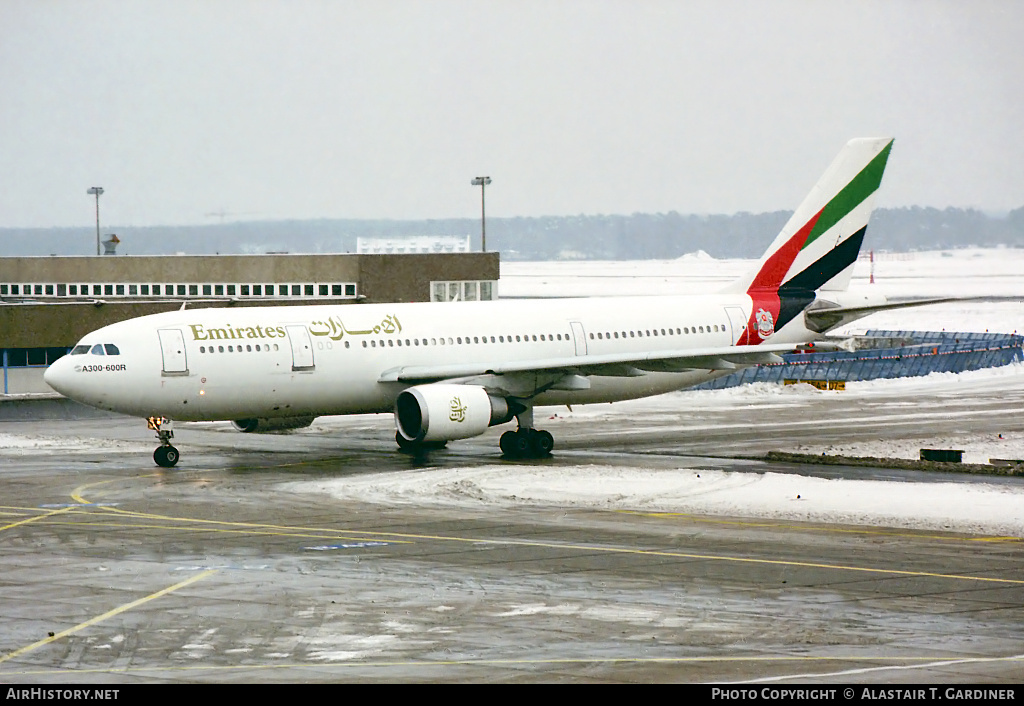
[[445, 412], [263, 424]]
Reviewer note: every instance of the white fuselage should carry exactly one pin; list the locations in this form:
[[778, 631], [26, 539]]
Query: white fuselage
[[290, 361]]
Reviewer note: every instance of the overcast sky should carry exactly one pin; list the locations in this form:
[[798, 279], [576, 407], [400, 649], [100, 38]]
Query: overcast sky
[[267, 109]]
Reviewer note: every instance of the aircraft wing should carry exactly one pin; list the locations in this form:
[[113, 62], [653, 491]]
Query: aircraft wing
[[611, 365]]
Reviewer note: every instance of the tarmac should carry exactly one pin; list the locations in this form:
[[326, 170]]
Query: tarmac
[[115, 571]]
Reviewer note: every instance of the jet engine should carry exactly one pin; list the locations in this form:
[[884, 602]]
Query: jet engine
[[263, 424], [443, 412]]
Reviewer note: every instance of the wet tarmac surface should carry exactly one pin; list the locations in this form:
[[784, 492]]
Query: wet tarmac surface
[[115, 571]]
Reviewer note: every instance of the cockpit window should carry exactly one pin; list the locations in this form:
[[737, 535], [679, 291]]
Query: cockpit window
[[80, 350], [111, 349], [97, 349]]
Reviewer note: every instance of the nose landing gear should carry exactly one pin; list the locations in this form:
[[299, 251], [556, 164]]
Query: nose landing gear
[[165, 455]]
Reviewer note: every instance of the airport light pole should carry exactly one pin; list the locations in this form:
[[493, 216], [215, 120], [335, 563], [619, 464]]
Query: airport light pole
[[96, 191], [482, 182]]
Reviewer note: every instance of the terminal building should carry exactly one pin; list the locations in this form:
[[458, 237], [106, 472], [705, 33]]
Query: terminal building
[[48, 303]]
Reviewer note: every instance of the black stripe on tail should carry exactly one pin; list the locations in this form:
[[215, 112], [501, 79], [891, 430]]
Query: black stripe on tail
[[798, 292]]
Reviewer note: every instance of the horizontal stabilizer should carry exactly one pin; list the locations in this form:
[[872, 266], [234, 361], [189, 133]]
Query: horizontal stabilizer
[[824, 316]]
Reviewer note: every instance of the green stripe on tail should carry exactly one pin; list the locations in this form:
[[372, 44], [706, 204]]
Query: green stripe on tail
[[852, 195]]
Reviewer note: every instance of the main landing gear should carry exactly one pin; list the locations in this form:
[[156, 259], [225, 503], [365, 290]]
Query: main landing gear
[[526, 442], [165, 455]]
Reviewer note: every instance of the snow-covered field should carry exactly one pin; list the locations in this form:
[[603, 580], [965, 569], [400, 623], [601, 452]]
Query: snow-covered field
[[969, 507]]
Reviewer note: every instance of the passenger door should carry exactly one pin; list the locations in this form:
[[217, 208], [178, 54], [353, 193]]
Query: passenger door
[[172, 348], [302, 348], [579, 337]]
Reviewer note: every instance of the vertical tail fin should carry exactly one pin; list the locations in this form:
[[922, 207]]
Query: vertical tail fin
[[818, 246]]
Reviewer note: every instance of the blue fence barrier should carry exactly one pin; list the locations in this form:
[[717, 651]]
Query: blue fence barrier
[[913, 354]]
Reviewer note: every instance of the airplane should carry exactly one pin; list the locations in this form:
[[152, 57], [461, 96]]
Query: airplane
[[450, 371]]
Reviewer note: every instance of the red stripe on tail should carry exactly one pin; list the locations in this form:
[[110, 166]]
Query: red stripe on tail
[[764, 290]]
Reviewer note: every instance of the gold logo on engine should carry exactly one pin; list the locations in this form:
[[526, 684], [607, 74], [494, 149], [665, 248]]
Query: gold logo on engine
[[458, 413]]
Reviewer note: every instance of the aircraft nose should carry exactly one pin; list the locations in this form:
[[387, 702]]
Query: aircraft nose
[[60, 376]]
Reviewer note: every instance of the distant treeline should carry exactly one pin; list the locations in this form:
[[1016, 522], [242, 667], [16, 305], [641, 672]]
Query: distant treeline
[[636, 237]]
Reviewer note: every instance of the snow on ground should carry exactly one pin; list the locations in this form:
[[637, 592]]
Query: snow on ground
[[977, 449], [973, 508], [26, 444]]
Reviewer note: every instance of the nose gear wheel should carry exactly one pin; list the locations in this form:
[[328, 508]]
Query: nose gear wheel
[[166, 456]]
